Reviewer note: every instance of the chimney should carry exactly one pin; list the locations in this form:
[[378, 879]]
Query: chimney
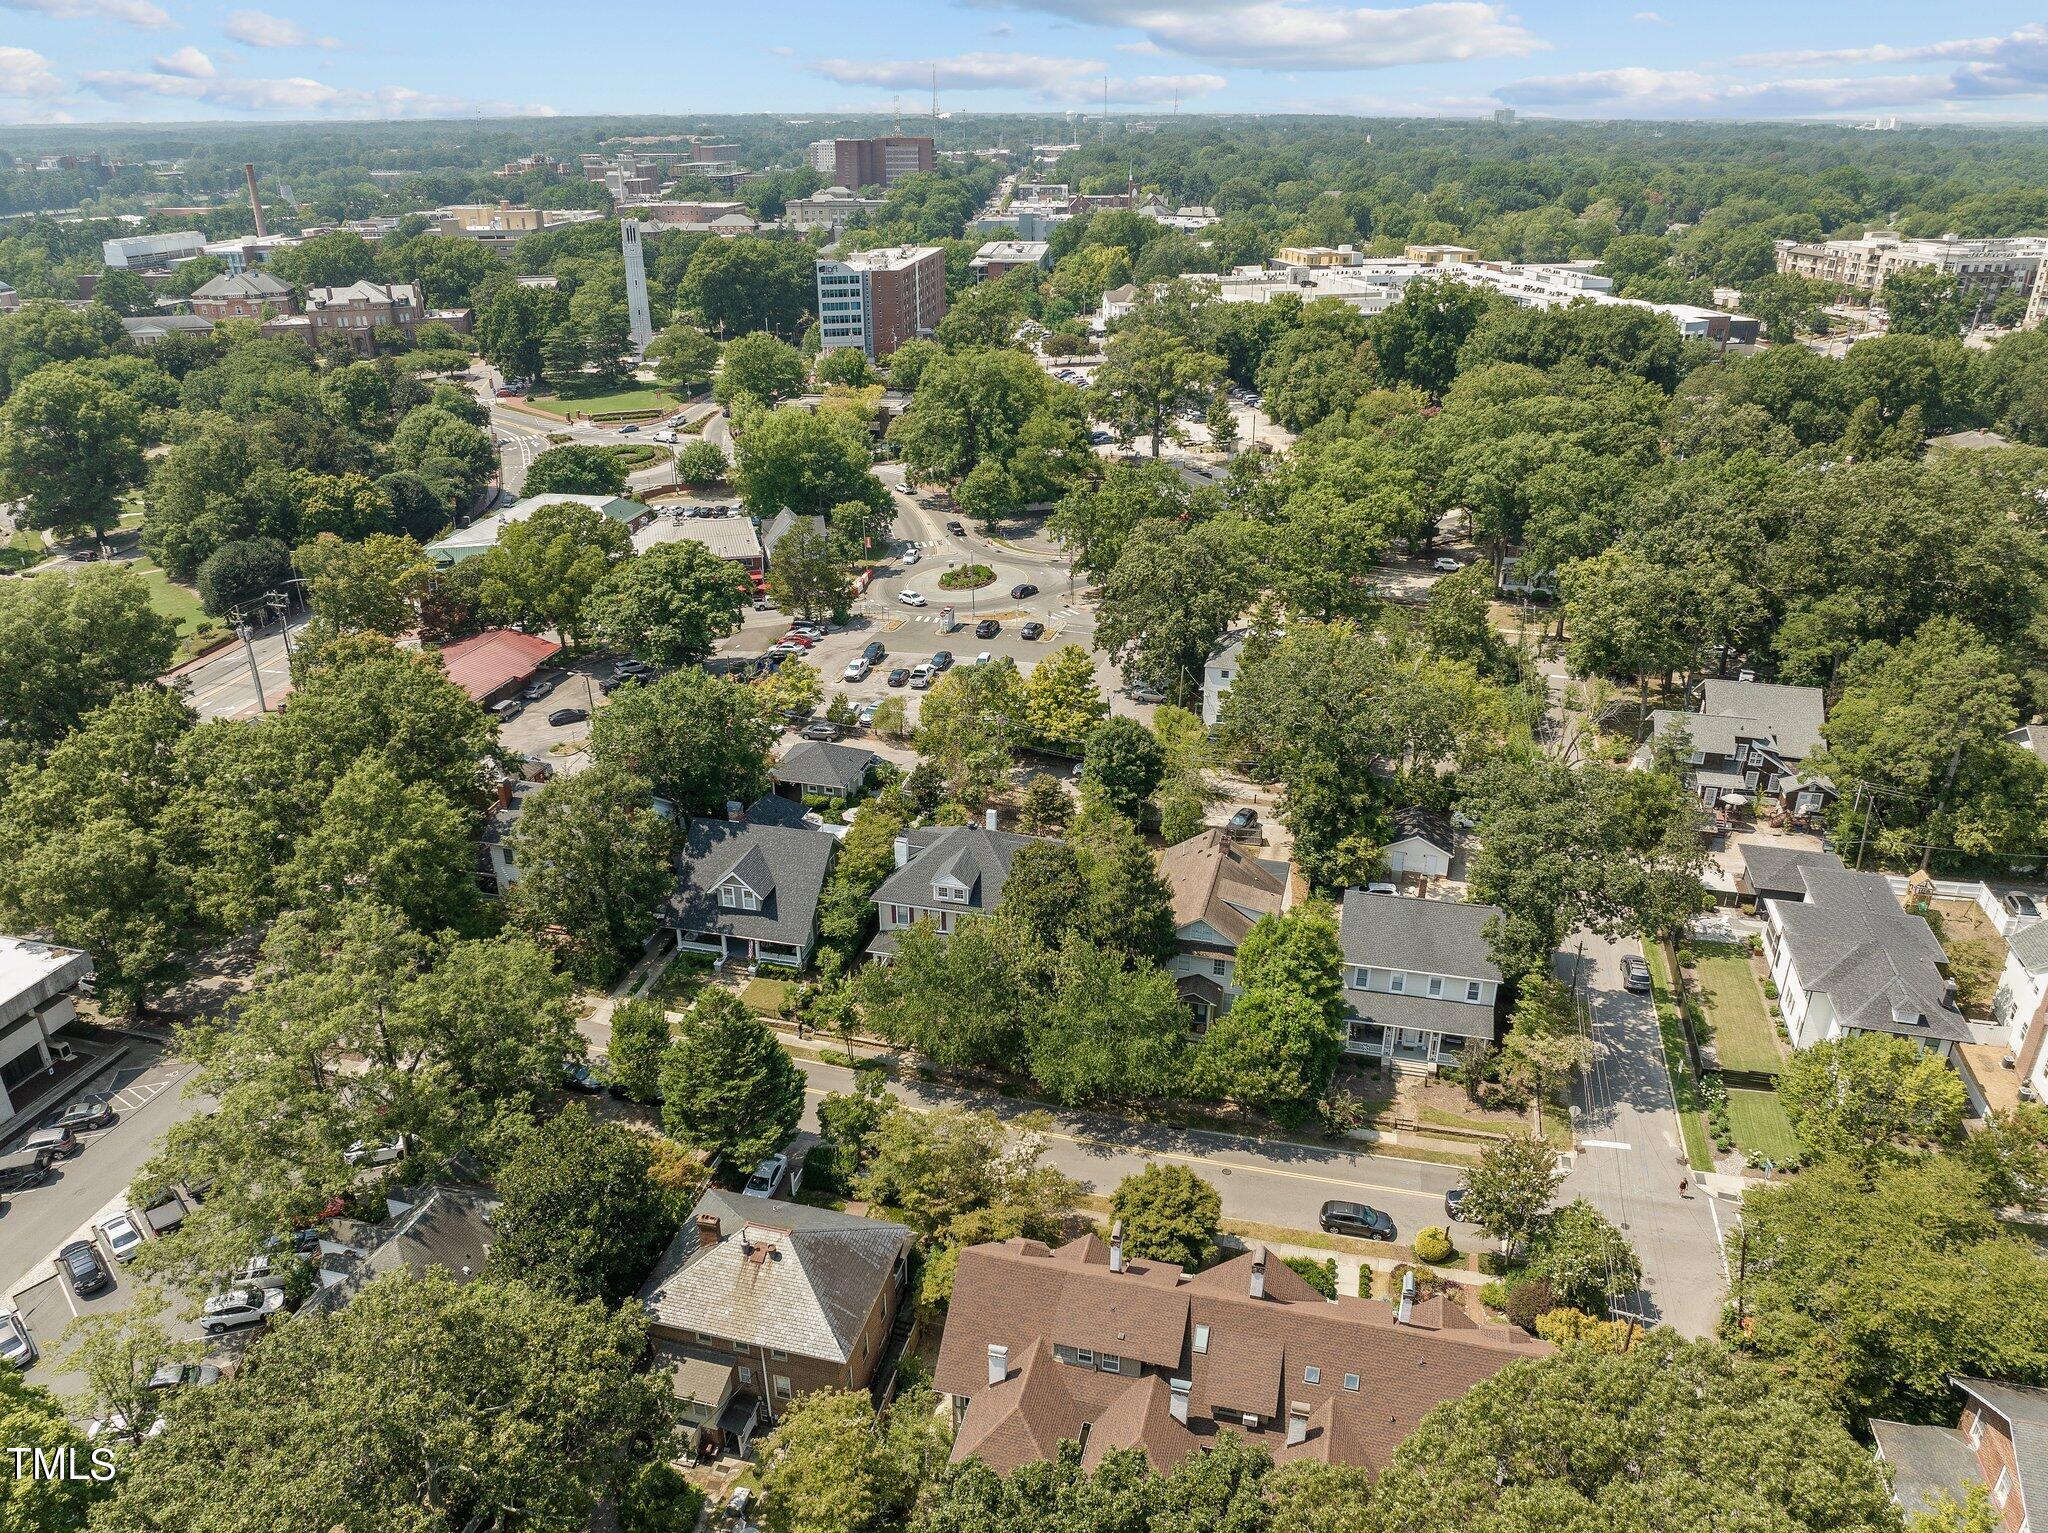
[[504, 793], [902, 851], [988, 817], [1297, 1423], [1258, 1272], [1116, 1246], [1177, 1398], [735, 811], [998, 1364], [708, 1232], [1407, 1311]]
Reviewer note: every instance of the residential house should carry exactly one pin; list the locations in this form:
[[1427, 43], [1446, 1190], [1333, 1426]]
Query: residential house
[[1084, 1344], [826, 770], [1219, 893], [1848, 957], [2001, 1444], [440, 1224], [250, 295], [757, 1302], [1422, 843], [499, 867], [2021, 1006], [1771, 870], [1218, 675], [1420, 982], [944, 873], [481, 535], [39, 984], [1750, 736], [780, 525], [747, 886]]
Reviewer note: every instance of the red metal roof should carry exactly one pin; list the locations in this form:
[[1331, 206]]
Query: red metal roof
[[496, 658]]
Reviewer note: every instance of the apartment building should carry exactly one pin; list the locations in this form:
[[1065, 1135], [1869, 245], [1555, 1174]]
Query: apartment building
[[1985, 268], [859, 162], [998, 258], [878, 299]]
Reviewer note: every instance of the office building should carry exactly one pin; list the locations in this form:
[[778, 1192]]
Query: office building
[[859, 162], [142, 252], [878, 299]]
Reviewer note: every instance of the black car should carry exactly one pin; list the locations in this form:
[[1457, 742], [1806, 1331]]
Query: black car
[[81, 1263], [824, 730], [957, 529], [874, 654], [943, 660], [1635, 974], [987, 628], [580, 1078], [90, 1111], [1244, 825], [1031, 630], [900, 677], [1454, 1203], [1019, 592], [1360, 1219], [563, 716]]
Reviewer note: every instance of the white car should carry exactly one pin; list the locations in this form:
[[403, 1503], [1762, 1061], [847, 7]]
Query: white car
[[768, 1176], [984, 657], [864, 718], [16, 1349], [364, 1153], [239, 1307], [856, 669], [122, 1235], [911, 556], [1447, 565], [910, 599]]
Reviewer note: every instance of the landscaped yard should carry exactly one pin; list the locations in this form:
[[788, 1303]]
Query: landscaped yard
[[1762, 1131], [1745, 1039], [604, 399], [1685, 1088]]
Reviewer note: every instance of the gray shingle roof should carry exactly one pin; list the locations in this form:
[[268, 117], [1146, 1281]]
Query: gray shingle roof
[[1851, 940], [1454, 1018], [1392, 931], [840, 769], [978, 858], [249, 284], [1926, 1463], [2030, 946], [1792, 714], [1769, 865], [790, 861], [782, 1275], [1423, 825], [2025, 1409]]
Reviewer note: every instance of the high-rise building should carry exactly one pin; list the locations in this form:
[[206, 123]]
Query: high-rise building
[[857, 162], [878, 299]]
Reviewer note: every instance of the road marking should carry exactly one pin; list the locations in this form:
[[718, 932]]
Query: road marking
[[1605, 1144]]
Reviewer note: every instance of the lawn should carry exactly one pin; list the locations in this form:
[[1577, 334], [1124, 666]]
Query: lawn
[[1761, 1129], [1692, 1122], [1745, 1039], [196, 631], [599, 399]]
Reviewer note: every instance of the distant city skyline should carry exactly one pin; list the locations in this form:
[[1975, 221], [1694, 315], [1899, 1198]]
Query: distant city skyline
[[163, 60]]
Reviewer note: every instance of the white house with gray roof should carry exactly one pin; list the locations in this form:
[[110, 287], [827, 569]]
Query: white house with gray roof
[[1420, 982], [1848, 957], [943, 874], [2021, 1006], [748, 886]]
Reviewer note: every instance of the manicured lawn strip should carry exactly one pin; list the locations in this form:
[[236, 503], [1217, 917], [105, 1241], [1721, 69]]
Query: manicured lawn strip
[[1761, 1127], [1744, 1039], [596, 401], [1692, 1122]]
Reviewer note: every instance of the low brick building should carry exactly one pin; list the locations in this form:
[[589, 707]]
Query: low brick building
[[249, 295]]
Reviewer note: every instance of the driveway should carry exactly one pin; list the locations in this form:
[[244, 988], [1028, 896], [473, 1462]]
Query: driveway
[[1631, 1158]]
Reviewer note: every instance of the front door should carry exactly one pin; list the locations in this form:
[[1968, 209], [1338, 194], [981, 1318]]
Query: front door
[[1412, 1043]]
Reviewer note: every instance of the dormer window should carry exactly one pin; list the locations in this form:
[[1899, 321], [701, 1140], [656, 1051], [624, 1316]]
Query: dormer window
[[1397, 982], [1436, 986], [736, 896], [949, 891]]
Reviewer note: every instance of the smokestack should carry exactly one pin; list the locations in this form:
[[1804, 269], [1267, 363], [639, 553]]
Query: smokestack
[[1177, 1398], [1407, 1312], [989, 817], [1258, 1272], [1116, 1246], [902, 851], [255, 202], [1297, 1423], [708, 1231], [998, 1364]]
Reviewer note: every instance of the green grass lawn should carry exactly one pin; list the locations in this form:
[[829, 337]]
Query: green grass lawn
[[196, 631], [1745, 1041], [1761, 1127], [1692, 1120], [600, 399]]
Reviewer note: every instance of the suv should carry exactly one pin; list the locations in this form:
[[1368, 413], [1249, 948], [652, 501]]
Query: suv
[[52, 1142], [1635, 975], [239, 1307], [80, 1261], [1359, 1219], [823, 730], [857, 669], [1244, 825], [1031, 630], [987, 628], [942, 660], [17, 1347], [957, 529], [874, 654]]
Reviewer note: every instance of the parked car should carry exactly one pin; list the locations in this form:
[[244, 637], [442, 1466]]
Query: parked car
[[1360, 1219], [822, 729], [984, 657], [538, 689], [1447, 565], [1019, 592], [578, 1077], [22, 1168], [632, 668], [1244, 825], [17, 1347], [80, 1261], [2022, 905], [365, 1153], [942, 660], [1147, 694], [800, 638], [987, 628], [563, 716], [122, 1235], [1635, 974], [183, 1376], [866, 716], [508, 710], [856, 669], [90, 1111], [767, 1177], [52, 1142], [1032, 630], [239, 1307], [1454, 1203], [814, 630], [900, 677], [628, 429], [874, 654], [921, 678], [958, 530]]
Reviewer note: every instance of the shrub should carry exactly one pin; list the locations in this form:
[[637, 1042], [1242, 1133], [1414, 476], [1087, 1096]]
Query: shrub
[[1770, 990], [1428, 1281], [1319, 1275], [1433, 1245], [1494, 1294], [1527, 1300]]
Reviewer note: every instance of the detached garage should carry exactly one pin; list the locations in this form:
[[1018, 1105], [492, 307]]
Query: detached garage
[[1421, 843]]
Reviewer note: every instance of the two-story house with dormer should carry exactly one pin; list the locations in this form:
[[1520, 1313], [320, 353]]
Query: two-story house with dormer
[[1420, 983], [1750, 737], [748, 886], [1219, 893], [943, 874], [2001, 1445]]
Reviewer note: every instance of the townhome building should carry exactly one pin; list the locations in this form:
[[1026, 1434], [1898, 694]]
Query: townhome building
[[1420, 984]]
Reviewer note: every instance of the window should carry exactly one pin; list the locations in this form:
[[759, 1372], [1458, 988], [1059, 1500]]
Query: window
[[778, 1354], [1109, 1362], [1351, 1382], [1311, 1374], [1976, 1431], [1436, 985], [746, 1374], [1219, 967], [1084, 1357], [1201, 1339], [1368, 1034], [2003, 1489], [709, 1340], [1364, 980], [782, 1385], [1397, 982], [1472, 988], [950, 893]]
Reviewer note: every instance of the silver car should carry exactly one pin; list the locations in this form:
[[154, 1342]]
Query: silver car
[[16, 1347], [239, 1307]]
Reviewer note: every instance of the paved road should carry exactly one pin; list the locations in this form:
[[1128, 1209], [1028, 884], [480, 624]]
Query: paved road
[[1261, 1181], [220, 686], [1631, 1157]]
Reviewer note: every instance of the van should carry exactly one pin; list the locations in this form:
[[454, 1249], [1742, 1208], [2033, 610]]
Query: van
[[22, 1168]]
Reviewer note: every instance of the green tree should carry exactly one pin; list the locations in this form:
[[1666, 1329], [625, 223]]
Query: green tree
[[1510, 1188], [576, 469], [1924, 300], [70, 643], [1062, 701], [541, 1401], [669, 605], [737, 285], [970, 726], [1169, 1214], [1147, 375], [640, 1036], [1417, 340], [702, 463], [593, 864], [242, 573], [1121, 766], [31, 1418], [807, 576], [759, 369], [700, 741], [727, 1086], [684, 357], [956, 1173], [1106, 1031], [1869, 1096], [376, 836], [1095, 521], [333, 259], [1587, 1262], [1169, 598], [544, 569], [970, 406], [70, 447], [375, 586], [791, 459], [835, 1464], [579, 1215]]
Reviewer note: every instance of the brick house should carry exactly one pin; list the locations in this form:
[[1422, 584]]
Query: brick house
[[2001, 1444], [249, 295]]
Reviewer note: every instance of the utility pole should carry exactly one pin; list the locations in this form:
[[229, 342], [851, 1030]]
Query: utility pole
[[255, 673]]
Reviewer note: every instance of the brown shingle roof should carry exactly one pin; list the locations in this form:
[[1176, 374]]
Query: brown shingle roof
[[1213, 882]]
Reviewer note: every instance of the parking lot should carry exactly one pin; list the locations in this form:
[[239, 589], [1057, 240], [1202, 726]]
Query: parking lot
[[561, 745]]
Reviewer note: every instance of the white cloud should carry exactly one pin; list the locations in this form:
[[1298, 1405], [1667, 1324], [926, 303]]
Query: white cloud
[[1651, 17], [2028, 42], [1142, 45], [297, 96], [1646, 92], [188, 62], [260, 29], [24, 73], [1303, 34], [134, 13], [1050, 79]]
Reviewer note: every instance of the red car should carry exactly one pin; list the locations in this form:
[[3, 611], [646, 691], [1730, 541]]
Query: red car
[[802, 639]]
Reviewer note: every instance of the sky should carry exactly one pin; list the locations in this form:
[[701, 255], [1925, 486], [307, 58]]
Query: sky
[[1849, 60]]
